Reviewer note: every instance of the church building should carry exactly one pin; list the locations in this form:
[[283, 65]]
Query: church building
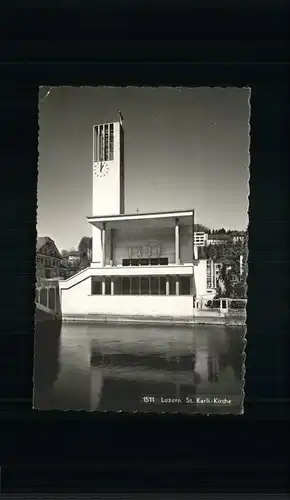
[[143, 264]]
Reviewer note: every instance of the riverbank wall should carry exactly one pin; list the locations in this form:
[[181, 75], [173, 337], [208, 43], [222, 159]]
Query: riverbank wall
[[214, 318], [42, 315]]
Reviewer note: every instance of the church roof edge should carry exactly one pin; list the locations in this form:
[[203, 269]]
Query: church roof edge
[[171, 213]]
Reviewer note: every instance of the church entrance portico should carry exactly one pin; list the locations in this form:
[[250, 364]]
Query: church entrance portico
[[143, 239]]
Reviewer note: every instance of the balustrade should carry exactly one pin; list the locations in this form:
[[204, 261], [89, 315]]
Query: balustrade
[[222, 304], [48, 296]]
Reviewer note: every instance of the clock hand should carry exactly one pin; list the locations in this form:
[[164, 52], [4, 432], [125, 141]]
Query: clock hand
[[101, 167]]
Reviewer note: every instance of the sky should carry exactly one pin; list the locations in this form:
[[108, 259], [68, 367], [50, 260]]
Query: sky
[[184, 148]]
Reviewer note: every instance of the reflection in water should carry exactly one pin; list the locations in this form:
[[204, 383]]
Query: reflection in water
[[114, 368]]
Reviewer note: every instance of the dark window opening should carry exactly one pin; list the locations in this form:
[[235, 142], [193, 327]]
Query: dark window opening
[[96, 285], [108, 286], [106, 146], [140, 285], [154, 285], [162, 285], [126, 286], [101, 143], [172, 285], [96, 138], [111, 148], [145, 286], [144, 262], [135, 285], [117, 286], [184, 285]]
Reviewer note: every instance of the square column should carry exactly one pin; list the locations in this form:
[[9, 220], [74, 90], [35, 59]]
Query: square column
[[167, 286], [177, 285], [103, 245], [111, 247], [103, 287], [112, 286], [177, 242], [97, 245]]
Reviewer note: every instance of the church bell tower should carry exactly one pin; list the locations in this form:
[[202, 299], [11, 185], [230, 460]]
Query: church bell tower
[[108, 176]]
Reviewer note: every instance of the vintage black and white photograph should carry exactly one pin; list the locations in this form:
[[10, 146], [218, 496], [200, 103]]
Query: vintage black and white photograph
[[142, 249]]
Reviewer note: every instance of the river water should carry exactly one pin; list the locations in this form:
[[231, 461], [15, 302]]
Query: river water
[[139, 368]]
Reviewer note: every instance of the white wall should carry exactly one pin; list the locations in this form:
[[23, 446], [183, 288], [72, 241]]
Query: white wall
[[78, 300], [200, 277], [74, 300], [76, 295], [199, 270], [183, 270]]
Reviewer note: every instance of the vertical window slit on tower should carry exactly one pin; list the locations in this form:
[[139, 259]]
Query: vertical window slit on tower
[[106, 156], [96, 143], [101, 143], [111, 142]]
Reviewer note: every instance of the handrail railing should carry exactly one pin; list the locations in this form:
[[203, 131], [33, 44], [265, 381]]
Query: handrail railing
[[47, 282], [223, 303], [48, 295]]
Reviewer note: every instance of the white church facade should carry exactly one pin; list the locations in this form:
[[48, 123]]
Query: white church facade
[[143, 264]]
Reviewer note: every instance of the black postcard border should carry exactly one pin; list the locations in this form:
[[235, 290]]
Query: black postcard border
[[27, 434]]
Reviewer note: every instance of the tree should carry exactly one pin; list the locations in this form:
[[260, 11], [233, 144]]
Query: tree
[[85, 250], [243, 279], [240, 291], [212, 252], [200, 228]]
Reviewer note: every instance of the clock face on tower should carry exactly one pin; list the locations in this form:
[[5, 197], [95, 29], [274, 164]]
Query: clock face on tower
[[101, 169]]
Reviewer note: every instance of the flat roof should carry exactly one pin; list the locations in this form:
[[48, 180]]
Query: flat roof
[[141, 216]]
